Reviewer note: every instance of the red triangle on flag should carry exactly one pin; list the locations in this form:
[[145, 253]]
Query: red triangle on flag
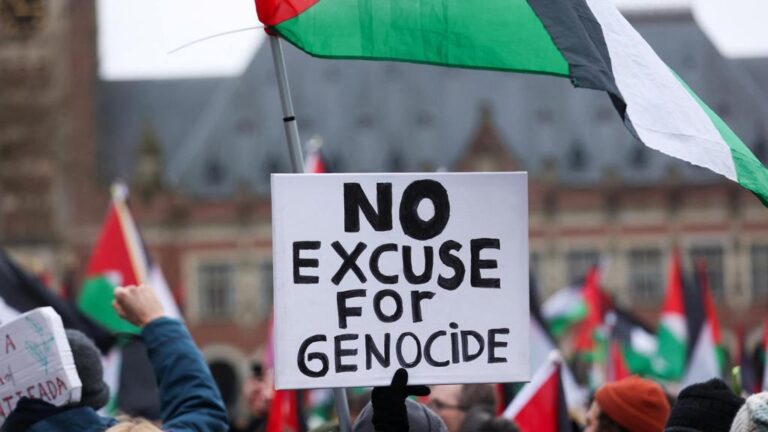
[[112, 253]]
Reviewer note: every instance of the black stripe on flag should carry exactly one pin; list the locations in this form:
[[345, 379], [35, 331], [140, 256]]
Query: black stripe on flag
[[23, 293]]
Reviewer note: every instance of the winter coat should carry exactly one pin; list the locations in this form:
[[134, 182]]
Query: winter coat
[[189, 398]]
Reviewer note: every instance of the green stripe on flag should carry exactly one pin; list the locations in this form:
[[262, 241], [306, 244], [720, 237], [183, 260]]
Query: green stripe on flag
[[560, 324], [95, 301], [492, 34], [750, 172]]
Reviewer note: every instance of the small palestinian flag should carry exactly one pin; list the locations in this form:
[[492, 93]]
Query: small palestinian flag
[[632, 346], [540, 404], [588, 42], [564, 309], [118, 259], [285, 412], [705, 354], [672, 332]]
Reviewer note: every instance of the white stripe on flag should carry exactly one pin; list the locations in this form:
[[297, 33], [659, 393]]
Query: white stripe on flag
[[663, 113], [541, 349], [158, 283], [703, 363]]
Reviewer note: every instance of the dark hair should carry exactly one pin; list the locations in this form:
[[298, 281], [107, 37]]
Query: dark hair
[[478, 395], [480, 420], [257, 370], [607, 424]]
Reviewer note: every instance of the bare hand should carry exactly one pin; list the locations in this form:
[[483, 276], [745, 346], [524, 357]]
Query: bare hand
[[137, 304]]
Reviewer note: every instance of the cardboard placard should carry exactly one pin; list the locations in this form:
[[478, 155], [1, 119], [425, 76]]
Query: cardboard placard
[[36, 361], [373, 272]]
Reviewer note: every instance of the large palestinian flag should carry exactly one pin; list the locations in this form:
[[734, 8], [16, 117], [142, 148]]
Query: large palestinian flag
[[586, 41]]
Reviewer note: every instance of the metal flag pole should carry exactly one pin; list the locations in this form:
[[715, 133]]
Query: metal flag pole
[[297, 166]]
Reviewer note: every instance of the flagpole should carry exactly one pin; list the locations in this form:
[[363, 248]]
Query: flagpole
[[297, 166]]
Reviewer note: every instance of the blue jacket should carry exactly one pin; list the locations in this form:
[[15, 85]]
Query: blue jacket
[[189, 398]]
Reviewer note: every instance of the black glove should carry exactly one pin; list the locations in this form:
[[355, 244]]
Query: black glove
[[388, 403]]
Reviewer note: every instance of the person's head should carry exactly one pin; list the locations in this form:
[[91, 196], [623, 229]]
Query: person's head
[[256, 392], [709, 406], [420, 419], [452, 402], [753, 415], [632, 405], [480, 420], [95, 392], [133, 425]]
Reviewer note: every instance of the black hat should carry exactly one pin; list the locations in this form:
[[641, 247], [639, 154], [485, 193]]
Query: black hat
[[709, 406], [88, 364]]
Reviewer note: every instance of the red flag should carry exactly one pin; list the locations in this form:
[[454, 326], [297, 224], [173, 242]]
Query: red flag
[[540, 404], [283, 412]]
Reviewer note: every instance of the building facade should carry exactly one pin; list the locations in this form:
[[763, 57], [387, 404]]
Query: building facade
[[198, 153]]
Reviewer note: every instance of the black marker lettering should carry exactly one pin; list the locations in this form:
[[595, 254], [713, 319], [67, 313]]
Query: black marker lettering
[[476, 246], [299, 262]]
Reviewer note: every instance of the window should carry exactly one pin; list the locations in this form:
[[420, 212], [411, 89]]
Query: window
[[216, 282], [712, 257], [645, 276], [579, 262], [577, 159], [760, 272]]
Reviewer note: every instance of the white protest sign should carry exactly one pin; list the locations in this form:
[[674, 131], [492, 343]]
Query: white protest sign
[[373, 272], [36, 361]]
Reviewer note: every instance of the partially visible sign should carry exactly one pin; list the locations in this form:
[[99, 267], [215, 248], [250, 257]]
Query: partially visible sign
[[36, 361], [373, 272]]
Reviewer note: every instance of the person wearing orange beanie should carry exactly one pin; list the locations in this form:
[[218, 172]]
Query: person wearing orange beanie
[[632, 405]]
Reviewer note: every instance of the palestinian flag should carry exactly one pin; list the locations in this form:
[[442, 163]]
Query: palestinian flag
[[20, 292], [672, 332], [632, 346], [590, 333], [540, 405], [542, 345], [564, 309], [118, 259], [586, 41], [705, 355]]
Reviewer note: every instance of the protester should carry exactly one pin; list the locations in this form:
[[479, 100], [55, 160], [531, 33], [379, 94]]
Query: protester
[[257, 395], [753, 415], [390, 410], [452, 402], [630, 405], [706, 407], [189, 398]]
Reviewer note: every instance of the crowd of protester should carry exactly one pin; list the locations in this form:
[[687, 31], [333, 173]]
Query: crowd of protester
[[190, 400]]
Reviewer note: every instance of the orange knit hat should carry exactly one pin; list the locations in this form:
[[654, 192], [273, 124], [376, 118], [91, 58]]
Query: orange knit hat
[[636, 404]]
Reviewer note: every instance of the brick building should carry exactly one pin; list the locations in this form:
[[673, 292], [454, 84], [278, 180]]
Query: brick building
[[198, 154]]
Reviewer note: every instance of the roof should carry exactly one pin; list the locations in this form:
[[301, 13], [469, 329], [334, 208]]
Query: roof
[[757, 67], [221, 135]]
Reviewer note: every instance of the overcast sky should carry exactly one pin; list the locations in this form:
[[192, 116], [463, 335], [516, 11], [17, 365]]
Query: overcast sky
[[135, 36]]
